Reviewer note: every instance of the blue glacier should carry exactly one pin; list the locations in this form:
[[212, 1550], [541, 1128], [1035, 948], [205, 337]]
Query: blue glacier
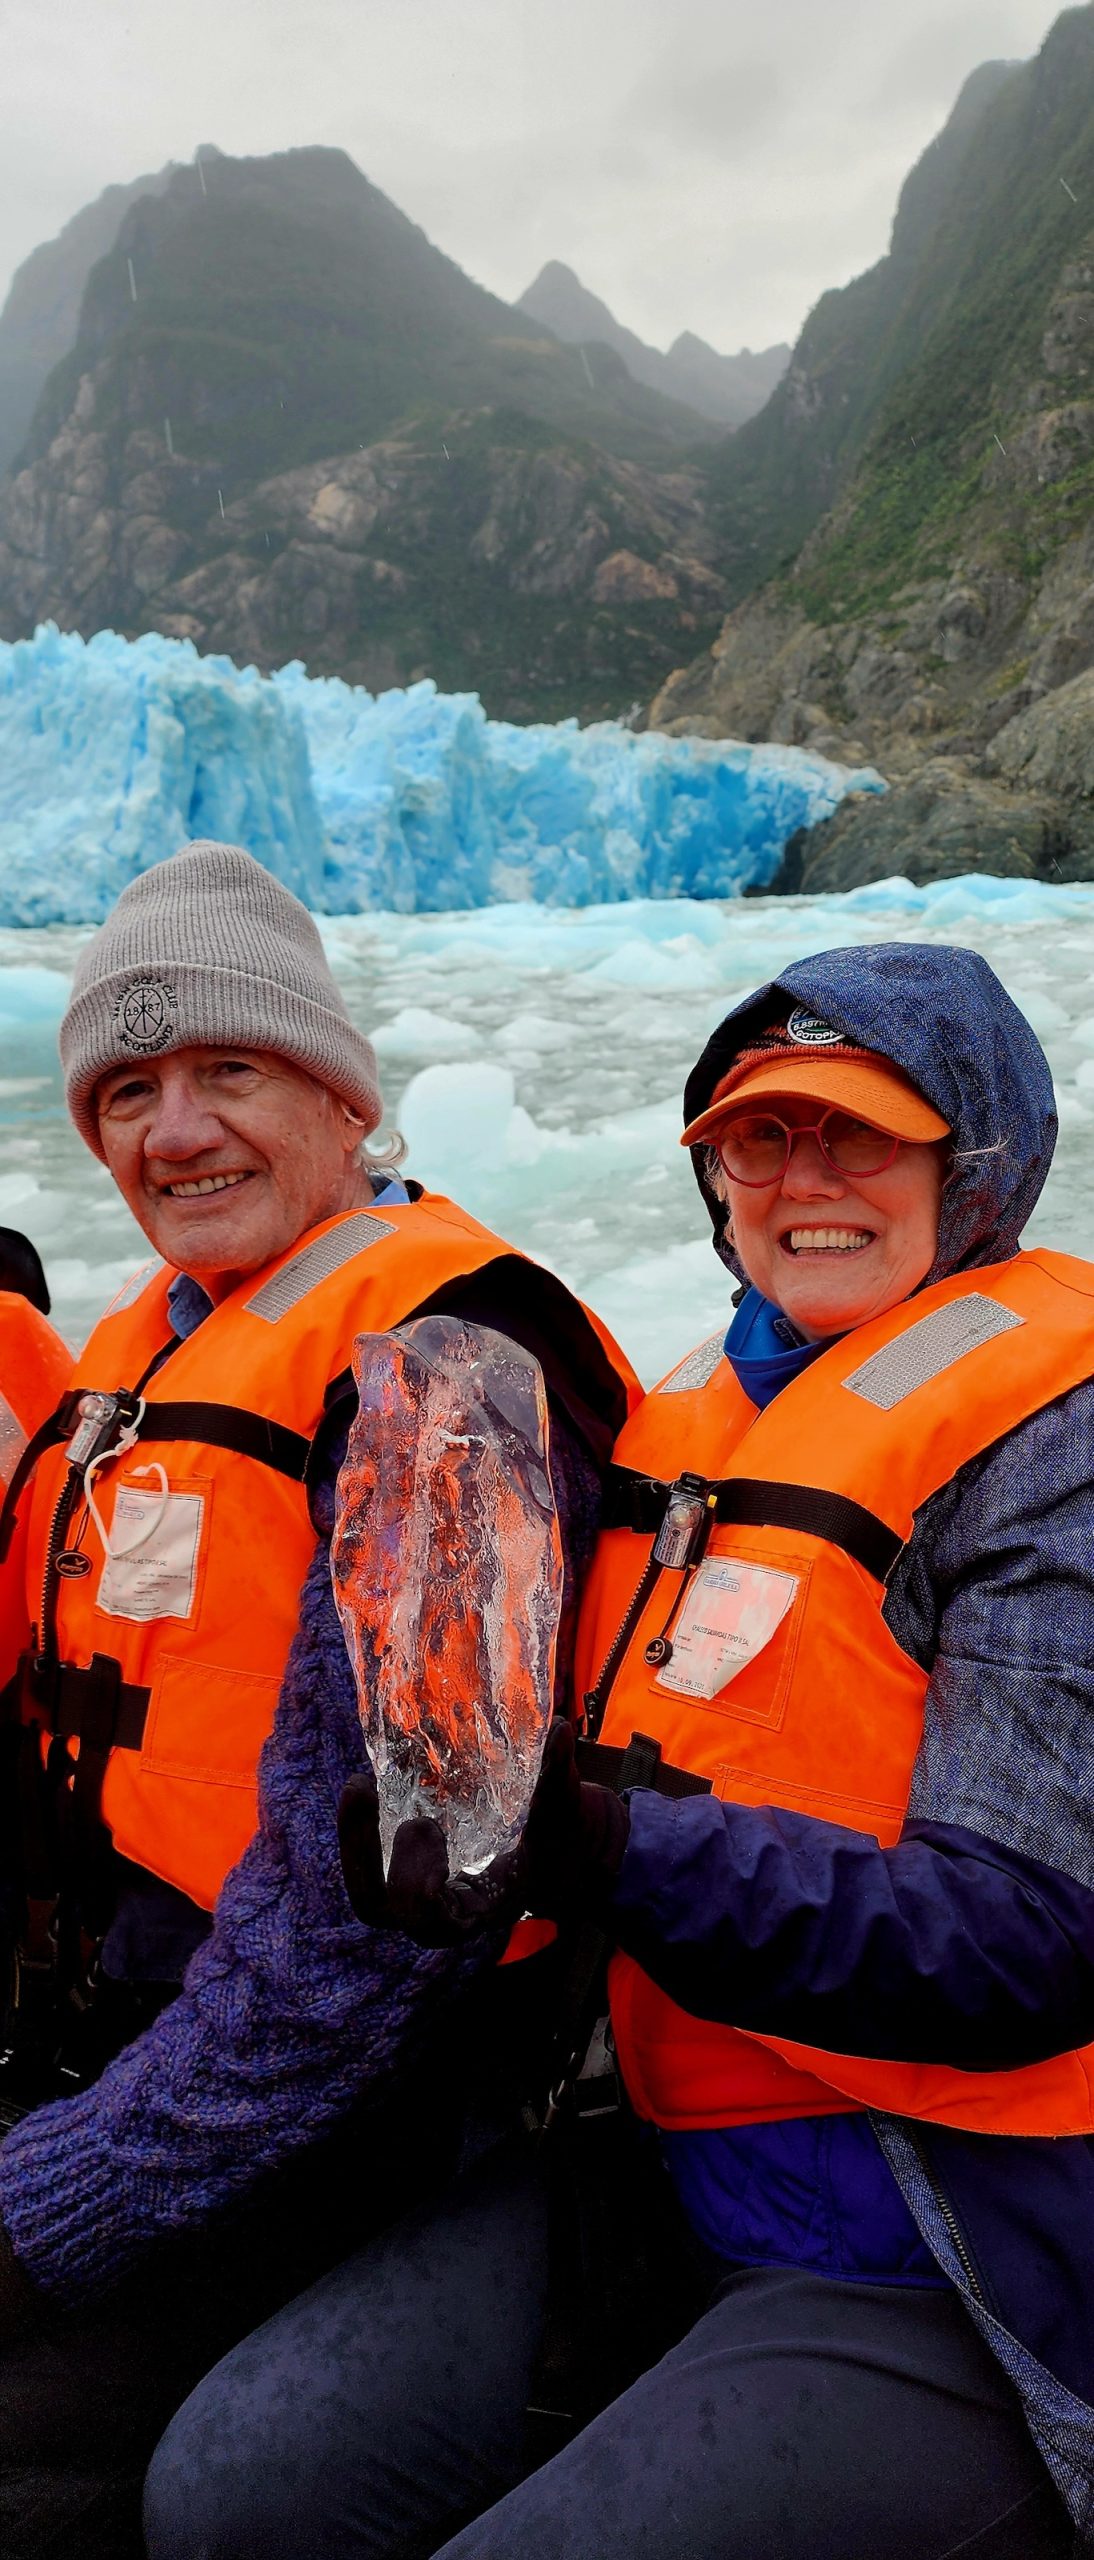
[[114, 752]]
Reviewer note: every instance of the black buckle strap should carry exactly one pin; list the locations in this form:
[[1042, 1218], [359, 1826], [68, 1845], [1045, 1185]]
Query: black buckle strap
[[220, 1426], [69, 1849], [603, 1763], [93, 1706], [99, 1697], [638, 1502], [229, 1426]]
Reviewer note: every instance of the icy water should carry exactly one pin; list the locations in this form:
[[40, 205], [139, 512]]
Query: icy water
[[534, 1059]]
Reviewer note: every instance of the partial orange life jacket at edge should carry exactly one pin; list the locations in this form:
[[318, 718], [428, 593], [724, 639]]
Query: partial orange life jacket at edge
[[35, 1368], [825, 1717], [207, 1515]]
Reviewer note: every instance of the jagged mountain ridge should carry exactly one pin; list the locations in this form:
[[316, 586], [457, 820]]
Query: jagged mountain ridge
[[788, 464], [922, 485], [290, 425], [920, 482], [728, 389], [282, 308], [41, 316]]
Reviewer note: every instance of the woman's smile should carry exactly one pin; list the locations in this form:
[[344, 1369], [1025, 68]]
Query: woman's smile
[[832, 1249]]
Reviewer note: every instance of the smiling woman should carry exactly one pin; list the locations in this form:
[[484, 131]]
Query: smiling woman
[[834, 1218], [841, 1618]]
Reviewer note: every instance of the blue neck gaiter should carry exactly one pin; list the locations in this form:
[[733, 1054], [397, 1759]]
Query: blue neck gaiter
[[763, 1350]]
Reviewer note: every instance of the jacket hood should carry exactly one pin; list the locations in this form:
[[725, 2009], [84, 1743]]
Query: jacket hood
[[943, 1017]]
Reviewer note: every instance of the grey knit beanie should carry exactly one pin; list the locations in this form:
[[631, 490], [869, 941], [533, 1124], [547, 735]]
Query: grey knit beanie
[[208, 947]]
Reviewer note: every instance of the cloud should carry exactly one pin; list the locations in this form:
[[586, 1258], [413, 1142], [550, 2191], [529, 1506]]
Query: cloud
[[716, 178], [727, 104]]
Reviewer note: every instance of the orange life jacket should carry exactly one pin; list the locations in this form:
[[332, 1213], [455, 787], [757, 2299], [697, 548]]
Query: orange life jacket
[[35, 1367], [167, 1661], [825, 1718]]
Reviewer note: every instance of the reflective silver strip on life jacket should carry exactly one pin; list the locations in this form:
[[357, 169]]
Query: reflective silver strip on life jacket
[[134, 1287], [936, 1343], [316, 1262], [13, 1441], [698, 1369]]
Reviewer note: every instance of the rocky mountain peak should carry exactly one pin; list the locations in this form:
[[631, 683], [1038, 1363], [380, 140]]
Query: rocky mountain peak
[[909, 529]]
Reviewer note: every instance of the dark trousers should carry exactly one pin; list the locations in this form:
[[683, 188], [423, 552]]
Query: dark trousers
[[84, 2398], [797, 2418]]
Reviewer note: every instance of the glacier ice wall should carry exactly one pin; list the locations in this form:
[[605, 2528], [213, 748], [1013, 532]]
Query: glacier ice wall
[[115, 752]]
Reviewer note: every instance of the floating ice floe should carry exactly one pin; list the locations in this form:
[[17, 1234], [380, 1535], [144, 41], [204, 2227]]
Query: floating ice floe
[[544, 1090]]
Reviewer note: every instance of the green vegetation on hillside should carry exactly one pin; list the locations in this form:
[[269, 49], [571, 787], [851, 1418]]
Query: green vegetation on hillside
[[290, 311], [931, 479], [900, 383]]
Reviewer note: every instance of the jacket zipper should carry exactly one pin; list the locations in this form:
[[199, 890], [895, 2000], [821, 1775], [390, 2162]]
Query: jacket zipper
[[62, 1513], [949, 2217], [596, 1699]]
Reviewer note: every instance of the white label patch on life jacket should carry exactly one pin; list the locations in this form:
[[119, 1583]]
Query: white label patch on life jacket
[[156, 1578], [731, 1612], [929, 1347]]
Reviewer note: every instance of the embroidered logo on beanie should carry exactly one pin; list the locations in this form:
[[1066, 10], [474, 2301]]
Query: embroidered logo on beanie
[[143, 1015], [207, 948]]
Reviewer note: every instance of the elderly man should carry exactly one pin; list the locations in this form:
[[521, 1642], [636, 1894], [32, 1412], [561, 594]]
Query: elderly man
[[210, 1062]]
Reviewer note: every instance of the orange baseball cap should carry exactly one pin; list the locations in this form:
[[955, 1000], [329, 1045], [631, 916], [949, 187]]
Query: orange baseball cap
[[807, 1057]]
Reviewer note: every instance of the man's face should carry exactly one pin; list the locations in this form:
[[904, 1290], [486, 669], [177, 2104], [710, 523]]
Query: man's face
[[226, 1156]]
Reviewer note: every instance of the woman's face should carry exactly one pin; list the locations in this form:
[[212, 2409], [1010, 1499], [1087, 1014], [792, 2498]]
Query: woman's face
[[832, 1249]]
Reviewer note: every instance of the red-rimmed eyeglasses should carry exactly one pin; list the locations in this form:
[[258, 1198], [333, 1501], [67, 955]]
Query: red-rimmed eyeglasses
[[755, 1149]]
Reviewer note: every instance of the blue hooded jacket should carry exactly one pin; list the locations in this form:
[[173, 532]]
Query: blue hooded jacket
[[972, 1940], [942, 1016]]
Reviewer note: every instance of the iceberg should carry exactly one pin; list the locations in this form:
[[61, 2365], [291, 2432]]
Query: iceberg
[[114, 752], [447, 1569]]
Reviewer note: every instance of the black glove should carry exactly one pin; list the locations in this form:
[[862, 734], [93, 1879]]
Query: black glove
[[568, 1855], [418, 1895], [572, 1845]]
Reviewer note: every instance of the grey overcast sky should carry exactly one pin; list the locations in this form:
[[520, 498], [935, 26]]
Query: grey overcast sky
[[708, 165]]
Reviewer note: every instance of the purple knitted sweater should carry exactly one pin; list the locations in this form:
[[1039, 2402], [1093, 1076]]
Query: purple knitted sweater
[[290, 2010]]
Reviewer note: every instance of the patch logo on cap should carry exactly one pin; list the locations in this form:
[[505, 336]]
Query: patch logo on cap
[[144, 1016], [808, 1031]]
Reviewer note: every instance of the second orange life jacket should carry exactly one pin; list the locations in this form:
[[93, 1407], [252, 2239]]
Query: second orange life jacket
[[769, 1670], [35, 1368]]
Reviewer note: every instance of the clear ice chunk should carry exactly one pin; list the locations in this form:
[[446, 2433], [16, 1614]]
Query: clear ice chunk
[[447, 1566]]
